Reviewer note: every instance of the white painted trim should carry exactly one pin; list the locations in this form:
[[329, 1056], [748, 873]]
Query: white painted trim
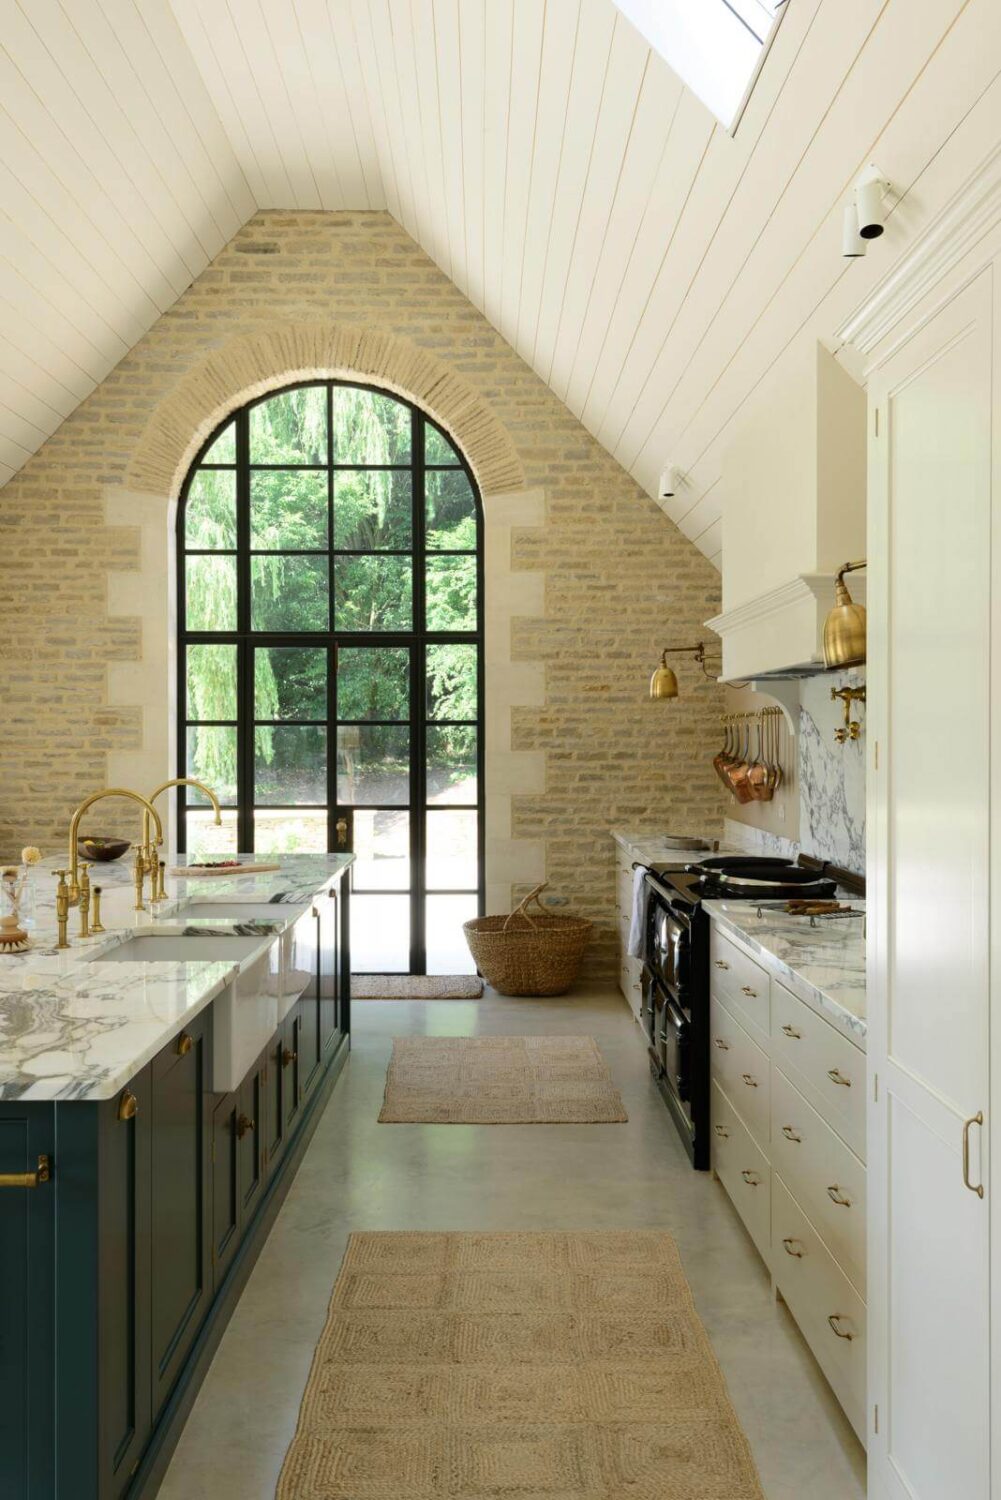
[[773, 601], [973, 212]]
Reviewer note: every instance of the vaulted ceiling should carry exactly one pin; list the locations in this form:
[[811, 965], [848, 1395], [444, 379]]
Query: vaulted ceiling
[[650, 266]]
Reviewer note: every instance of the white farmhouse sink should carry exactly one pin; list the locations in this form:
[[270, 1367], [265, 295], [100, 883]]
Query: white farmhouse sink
[[237, 911], [156, 947]]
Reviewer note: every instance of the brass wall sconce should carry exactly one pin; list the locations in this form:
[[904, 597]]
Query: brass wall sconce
[[844, 628], [851, 728], [664, 683]]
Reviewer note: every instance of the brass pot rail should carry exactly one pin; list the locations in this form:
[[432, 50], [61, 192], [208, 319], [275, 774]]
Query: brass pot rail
[[747, 778]]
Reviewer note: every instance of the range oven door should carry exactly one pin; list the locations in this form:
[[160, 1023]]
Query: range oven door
[[674, 1048], [668, 946]]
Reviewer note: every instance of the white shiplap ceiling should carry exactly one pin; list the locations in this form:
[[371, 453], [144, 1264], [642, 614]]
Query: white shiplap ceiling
[[650, 266]]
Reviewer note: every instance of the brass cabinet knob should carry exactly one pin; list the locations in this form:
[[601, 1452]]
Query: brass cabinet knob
[[791, 1031], [128, 1106], [288, 1056], [751, 1178], [721, 963], [243, 1124], [836, 1076], [837, 1196], [721, 1044], [752, 1083], [834, 1319], [791, 1135], [793, 1248], [722, 1132], [745, 989], [183, 1044]]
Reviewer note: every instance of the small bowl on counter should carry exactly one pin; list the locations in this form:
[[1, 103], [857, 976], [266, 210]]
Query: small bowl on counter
[[102, 850]]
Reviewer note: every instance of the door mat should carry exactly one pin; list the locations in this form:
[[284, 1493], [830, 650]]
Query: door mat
[[500, 1365], [499, 1080], [416, 987]]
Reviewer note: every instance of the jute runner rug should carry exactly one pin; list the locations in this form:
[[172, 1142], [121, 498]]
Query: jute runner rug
[[499, 1366], [416, 987], [499, 1080]]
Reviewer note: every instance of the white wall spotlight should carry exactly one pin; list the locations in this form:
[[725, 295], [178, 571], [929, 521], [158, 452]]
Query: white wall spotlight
[[869, 192], [670, 482], [852, 243]]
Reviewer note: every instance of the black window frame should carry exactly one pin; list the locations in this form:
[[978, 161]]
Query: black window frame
[[416, 640]]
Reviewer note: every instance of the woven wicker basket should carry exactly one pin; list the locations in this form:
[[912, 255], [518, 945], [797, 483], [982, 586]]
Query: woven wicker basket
[[528, 955]]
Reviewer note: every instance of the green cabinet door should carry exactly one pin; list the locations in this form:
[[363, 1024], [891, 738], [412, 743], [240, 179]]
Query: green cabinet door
[[225, 1187], [180, 1183], [250, 1130], [329, 970]]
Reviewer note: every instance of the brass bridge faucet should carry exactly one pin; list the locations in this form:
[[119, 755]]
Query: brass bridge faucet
[[78, 890], [157, 891]]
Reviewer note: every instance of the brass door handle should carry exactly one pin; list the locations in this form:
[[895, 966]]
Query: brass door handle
[[288, 1056], [791, 1135], [341, 827], [183, 1044], [243, 1124], [745, 989], [836, 1076], [974, 1187], [751, 1178], [722, 1132], [752, 1083], [792, 1032], [128, 1106], [787, 1246], [834, 1319], [721, 963], [721, 1044], [42, 1173], [837, 1196]]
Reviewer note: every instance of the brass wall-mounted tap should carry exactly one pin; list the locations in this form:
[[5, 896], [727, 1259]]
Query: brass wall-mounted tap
[[852, 728], [157, 890], [146, 854]]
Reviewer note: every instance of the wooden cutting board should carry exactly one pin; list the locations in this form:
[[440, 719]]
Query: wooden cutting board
[[202, 873]]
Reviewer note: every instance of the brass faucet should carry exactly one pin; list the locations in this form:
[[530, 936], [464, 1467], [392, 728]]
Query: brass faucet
[[158, 893], [79, 889]]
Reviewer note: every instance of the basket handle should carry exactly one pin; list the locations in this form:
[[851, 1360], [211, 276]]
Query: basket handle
[[520, 911]]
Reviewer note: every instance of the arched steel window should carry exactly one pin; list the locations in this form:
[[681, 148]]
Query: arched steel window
[[330, 609]]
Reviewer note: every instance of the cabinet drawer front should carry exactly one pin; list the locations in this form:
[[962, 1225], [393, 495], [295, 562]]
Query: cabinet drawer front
[[624, 890], [826, 1178], [742, 1168], [823, 1064], [631, 983], [738, 980], [829, 1311], [742, 1071]]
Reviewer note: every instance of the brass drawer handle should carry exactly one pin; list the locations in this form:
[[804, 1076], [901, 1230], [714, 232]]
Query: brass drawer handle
[[978, 1187], [837, 1196], [752, 1083], [183, 1044], [722, 1132], [128, 1106], [721, 963], [791, 1135], [288, 1056], [243, 1124], [834, 1319], [787, 1246], [836, 1076], [792, 1032], [751, 1178], [41, 1174], [721, 1044], [745, 989]]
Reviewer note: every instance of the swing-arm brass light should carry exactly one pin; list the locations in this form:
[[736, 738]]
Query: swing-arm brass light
[[664, 683], [844, 628]]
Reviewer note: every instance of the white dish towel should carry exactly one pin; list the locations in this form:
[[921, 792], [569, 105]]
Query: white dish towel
[[637, 925]]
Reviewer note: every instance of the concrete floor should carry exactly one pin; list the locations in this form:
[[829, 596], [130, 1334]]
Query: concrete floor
[[361, 1175]]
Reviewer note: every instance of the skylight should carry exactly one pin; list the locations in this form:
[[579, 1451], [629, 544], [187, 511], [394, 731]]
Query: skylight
[[715, 46]]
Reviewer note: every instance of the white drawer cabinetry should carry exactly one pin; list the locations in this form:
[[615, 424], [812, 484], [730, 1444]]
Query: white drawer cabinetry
[[788, 1142]]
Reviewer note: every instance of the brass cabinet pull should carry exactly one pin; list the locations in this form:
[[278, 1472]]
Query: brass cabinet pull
[[837, 1196], [791, 1135], [836, 1076], [721, 1044], [752, 1083], [243, 1124], [751, 1178], [834, 1319], [721, 963], [974, 1187], [722, 1132], [787, 1246], [42, 1173], [183, 1044], [288, 1056], [792, 1032], [128, 1106], [745, 989]]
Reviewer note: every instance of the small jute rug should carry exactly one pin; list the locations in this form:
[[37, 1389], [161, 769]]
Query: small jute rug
[[416, 987], [497, 1366], [499, 1080]]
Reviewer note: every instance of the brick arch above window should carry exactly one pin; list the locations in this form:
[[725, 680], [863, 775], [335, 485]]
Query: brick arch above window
[[252, 364]]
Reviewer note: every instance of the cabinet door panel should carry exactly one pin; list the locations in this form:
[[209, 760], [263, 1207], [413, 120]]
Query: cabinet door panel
[[292, 1084], [275, 1084], [225, 1187], [249, 1132], [329, 970], [181, 1207]]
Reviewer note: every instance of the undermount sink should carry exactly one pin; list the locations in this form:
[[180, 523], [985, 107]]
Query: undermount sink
[[236, 911], [156, 947]]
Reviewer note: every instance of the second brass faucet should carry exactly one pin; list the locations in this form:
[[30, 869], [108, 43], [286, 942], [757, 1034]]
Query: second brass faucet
[[157, 891]]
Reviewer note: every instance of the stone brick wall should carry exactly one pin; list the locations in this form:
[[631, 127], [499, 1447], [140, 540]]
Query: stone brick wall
[[586, 578]]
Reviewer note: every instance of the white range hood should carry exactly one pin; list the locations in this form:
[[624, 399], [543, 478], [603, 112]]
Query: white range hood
[[793, 513]]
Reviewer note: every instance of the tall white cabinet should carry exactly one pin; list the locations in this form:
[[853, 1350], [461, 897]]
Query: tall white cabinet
[[933, 372]]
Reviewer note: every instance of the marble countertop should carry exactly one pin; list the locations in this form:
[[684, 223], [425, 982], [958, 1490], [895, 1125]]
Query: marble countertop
[[74, 1028], [823, 964], [648, 844]]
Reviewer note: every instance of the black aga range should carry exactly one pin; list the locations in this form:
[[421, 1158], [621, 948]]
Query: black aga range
[[675, 1007]]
